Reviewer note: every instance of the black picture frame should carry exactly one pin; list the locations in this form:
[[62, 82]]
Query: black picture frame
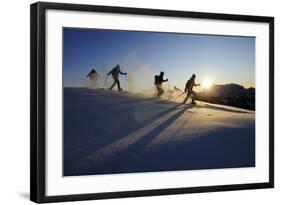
[[38, 101]]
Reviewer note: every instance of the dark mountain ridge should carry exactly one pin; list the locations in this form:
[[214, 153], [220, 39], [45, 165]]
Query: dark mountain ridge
[[230, 94]]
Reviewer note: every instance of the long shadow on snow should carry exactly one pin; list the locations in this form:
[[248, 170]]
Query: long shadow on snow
[[73, 152], [223, 148], [143, 107], [146, 121], [139, 145], [133, 150]]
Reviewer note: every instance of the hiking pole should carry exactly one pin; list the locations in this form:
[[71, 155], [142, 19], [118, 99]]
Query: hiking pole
[[155, 91], [180, 94], [199, 95], [127, 87], [168, 85], [105, 80], [201, 91]]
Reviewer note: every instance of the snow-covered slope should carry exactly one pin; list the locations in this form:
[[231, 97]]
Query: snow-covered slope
[[107, 132]]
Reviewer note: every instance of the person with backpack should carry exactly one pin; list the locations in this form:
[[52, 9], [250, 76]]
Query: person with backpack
[[115, 74], [93, 76], [158, 80], [189, 89]]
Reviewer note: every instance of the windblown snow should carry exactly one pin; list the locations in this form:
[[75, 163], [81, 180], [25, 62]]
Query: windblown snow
[[107, 132]]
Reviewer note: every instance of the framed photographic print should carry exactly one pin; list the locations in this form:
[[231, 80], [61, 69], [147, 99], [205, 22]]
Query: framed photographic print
[[129, 102]]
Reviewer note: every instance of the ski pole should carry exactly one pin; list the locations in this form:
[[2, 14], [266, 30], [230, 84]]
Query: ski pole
[[180, 94], [168, 85], [126, 78], [199, 95], [155, 91], [105, 80]]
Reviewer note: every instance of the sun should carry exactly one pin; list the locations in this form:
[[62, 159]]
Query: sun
[[207, 83]]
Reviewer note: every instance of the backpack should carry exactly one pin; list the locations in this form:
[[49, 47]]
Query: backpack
[[188, 84]]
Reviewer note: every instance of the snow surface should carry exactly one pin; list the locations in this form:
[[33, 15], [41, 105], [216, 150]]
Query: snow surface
[[108, 132]]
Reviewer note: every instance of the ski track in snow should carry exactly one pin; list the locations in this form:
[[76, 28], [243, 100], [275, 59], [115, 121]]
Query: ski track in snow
[[107, 132]]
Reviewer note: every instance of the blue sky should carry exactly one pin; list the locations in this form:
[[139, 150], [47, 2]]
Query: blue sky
[[222, 59]]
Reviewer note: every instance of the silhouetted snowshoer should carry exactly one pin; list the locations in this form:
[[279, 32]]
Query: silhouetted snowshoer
[[189, 89], [158, 80], [115, 74], [93, 76]]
